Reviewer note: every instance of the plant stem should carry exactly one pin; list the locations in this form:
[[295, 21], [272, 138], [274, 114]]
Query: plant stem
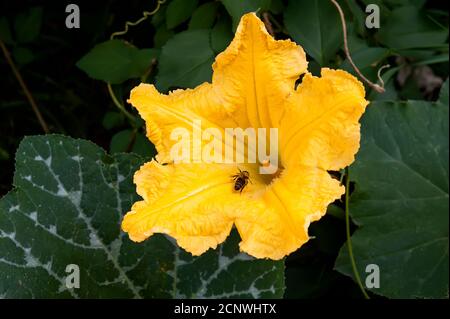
[[149, 71], [131, 141], [267, 23], [349, 240], [120, 105], [24, 88], [276, 23], [376, 87]]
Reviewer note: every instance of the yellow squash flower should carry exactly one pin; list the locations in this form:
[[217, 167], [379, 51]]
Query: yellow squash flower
[[253, 85]]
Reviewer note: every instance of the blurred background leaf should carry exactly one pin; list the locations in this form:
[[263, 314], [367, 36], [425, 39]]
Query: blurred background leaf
[[179, 11], [309, 23], [22, 55], [185, 60], [27, 25], [204, 16], [183, 38], [127, 141], [237, 8], [410, 28], [221, 34], [115, 61]]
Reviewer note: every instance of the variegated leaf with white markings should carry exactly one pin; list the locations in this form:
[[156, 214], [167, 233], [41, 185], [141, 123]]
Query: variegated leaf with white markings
[[66, 208]]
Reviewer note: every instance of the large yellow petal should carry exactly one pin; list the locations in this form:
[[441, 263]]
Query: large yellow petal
[[276, 223], [179, 109], [256, 73], [320, 127], [252, 79], [194, 203]]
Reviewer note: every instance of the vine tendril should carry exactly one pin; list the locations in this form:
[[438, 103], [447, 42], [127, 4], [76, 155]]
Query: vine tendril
[[128, 24], [145, 15], [376, 87]]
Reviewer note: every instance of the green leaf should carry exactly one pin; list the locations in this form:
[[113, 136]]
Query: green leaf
[[315, 25], [434, 59], [382, 4], [22, 55], [355, 43], [179, 11], [115, 61], [335, 211], [127, 141], [390, 93], [160, 16], [5, 31], [162, 35], [409, 27], [237, 8], [358, 16], [142, 146], [27, 25], [221, 35], [401, 198], [368, 60], [66, 208], [402, 3], [143, 58], [112, 120], [367, 57], [417, 54], [185, 60], [443, 96], [276, 6], [204, 16]]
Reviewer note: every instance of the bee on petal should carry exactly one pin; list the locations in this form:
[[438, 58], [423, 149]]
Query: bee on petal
[[241, 180]]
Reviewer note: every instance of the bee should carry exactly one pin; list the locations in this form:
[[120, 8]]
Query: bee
[[241, 180]]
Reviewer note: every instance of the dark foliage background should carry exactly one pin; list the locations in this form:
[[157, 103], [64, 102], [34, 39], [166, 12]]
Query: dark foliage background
[[78, 105]]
